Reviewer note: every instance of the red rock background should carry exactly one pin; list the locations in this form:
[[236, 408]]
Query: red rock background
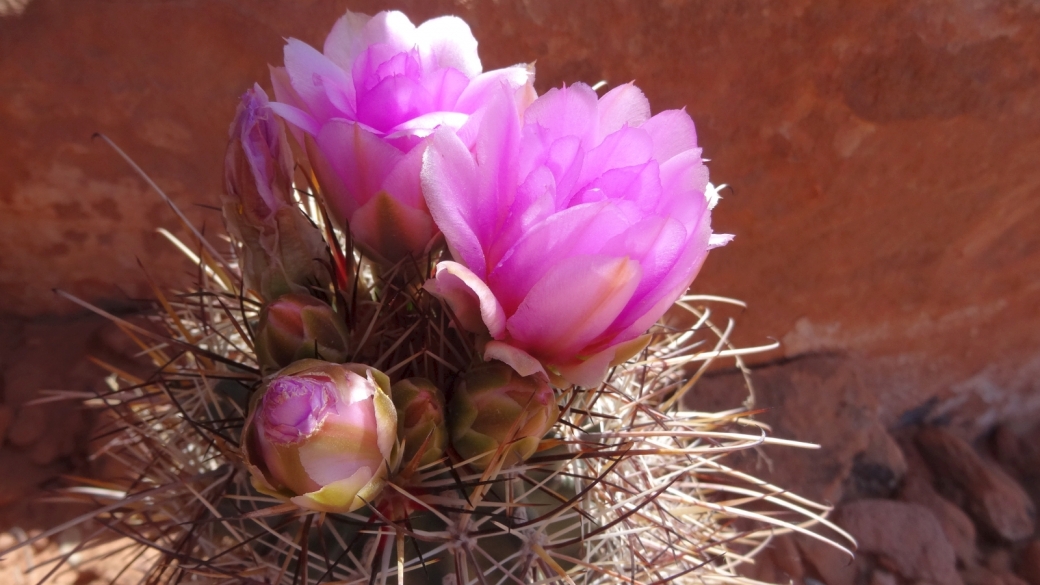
[[883, 158]]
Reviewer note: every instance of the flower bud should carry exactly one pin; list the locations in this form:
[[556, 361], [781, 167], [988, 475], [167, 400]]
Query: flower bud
[[283, 251], [493, 406], [322, 435], [296, 327], [420, 421]]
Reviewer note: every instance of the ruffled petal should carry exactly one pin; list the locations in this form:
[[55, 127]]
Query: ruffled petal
[[468, 297], [621, 106], [391, 28], [672, 132], [481, 87], [390, 231], [360, 158], [566, 111], [326, 89], [578, 231], [522, 362], [576, 301], [347, 39], [451, 44], [449, 184]]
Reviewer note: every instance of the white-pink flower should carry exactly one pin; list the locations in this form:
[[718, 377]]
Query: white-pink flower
[[574, 226], [363, 106]]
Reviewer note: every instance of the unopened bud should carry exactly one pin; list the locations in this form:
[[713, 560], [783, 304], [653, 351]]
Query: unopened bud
[[322, 435], [420, 421], [295, 327], [282, 250], [493, 407]]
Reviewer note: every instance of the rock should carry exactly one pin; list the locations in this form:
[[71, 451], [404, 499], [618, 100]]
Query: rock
[[979, 575], [883, 577], [1027, 565], [20, 477], [6, 418], [832, 565], [992, 497], [1019, 454], [787, 559], [907, 538], [956, 525], [878, 469], [999, 560], [796, 397], [30, 423]]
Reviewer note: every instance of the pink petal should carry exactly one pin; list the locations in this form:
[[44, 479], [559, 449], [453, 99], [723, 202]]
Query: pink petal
[[573, 304], [445, 85], [522, 362], [346, 40], [424, 125], [672, 132], [590, 372], [321, 84], [360, 159], [403, 181], [621, 106], [534, 202], [577, 231], [449, 184], [483, 86], [391, 28], [567, 111], [643, 313], [341, 204], [656, 243], [625, 148], [390, 231], [451, 44], [296, 117], [392, 101], [684, 179], [638, 185], [469, 298]]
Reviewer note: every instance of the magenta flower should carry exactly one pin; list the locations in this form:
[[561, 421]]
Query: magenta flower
[[573, 231], [322, 435], [363, 107]]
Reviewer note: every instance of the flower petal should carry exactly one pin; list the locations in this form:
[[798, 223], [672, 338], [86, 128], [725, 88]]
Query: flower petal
[[346, 40], [449, 184], [578, 231], [621, 106], [673, 132], [576, 301], [389, 231], [325, 88], [451, 44], [468, 297], [483, 86], [522, 362], [566, 111], [360, 158]]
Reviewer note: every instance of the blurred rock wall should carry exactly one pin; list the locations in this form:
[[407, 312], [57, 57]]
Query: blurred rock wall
[[883, 158]]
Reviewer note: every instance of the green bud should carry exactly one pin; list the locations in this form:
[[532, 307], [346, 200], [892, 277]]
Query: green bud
[[494, 406], [420, 420], [295, 327]]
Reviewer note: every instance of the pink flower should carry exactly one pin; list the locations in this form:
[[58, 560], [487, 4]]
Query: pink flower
[[322, 435], [363, 107], [573, 230]]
